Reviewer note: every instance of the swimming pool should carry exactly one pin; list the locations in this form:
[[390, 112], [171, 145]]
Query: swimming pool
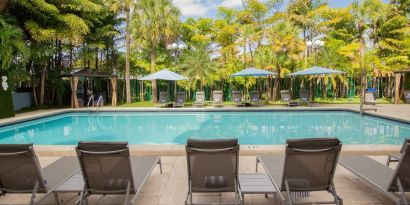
[[262, 128]]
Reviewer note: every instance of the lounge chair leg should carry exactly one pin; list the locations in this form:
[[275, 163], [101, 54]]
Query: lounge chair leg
[[160, 165], [257, 163], [338, 200], [127, 194], [33, 195], [402, 192], [388, 160], [288, 191]]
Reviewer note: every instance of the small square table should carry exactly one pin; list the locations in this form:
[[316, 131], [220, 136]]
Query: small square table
[[255, 184]]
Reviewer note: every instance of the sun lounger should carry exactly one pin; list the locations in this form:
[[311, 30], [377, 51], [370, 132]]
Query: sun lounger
[[309, 165], [384, 179], [108, 168], [20, 172], [199, 99], [285, 97], [395, 158], [212, 167], [180, 99], [237, 98], [304, 96], [255, 98], [369, 99], [163, 99], [217, 100]]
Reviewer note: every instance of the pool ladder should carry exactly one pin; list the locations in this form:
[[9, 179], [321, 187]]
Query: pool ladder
[[99, 103]]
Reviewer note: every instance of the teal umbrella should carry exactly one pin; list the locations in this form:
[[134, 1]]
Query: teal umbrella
[[316, 70], [165, 74], [255, 72]]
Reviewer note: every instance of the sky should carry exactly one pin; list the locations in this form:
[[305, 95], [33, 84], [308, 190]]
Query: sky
[[208, 8]]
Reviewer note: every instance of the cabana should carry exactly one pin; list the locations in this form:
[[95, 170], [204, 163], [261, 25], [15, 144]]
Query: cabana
[[400, 77], [75, 75]]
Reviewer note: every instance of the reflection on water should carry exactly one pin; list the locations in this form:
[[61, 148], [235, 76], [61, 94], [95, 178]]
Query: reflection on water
[[175, 128]]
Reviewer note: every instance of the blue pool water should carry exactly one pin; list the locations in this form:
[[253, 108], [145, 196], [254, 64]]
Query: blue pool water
[[175, 127]]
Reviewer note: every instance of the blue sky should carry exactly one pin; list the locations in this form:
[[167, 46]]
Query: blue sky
[[208, 8]]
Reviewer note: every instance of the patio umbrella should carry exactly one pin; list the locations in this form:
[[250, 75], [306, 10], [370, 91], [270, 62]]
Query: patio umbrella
[[316, 70], [255, 72], [164, 74]]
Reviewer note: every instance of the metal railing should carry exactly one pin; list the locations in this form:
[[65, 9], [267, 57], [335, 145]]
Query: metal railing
[[91, 100], [100, 101]]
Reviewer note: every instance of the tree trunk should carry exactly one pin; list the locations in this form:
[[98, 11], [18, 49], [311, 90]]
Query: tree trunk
[[363, 72], [127, 55], [324, 90], [397, 89], [42, 85], [154, 82]]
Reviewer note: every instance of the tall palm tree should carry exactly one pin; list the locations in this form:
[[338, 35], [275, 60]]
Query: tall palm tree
[[198, 66], [155, 23], [125, 7]]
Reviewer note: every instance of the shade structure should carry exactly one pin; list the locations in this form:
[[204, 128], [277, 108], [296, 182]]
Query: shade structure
[[253, 72], [316, 70], [164, 74]]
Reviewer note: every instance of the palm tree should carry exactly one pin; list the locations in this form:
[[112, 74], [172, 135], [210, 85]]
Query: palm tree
[[155, 23], [12, 45], [198, 66]]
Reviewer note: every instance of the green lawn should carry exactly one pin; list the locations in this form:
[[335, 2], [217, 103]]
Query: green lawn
[[355, 100]]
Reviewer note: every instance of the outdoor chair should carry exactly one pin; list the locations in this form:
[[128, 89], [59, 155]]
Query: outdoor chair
[[179, 100], [407, 96], [199, 99], [108, 168], [255, 98], [217, 99], [285, 97], [163, 99], [304, 96], [237, 98], [212, 167], [369, 99], [308, 165], [20, 172], [384, 179], [395, 158]]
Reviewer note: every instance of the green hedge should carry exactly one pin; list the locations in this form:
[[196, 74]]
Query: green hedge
[[6, 101]]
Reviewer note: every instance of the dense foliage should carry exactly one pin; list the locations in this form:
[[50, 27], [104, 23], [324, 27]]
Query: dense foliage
[[42, 39]]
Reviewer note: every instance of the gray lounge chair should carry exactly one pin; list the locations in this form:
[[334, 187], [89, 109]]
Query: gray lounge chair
[[237, 98], [285, 97], [369, 99], [199, 99], [255, 98], [163, 99], [217, 98], [309, 165], [395, 158], [384, 179], [304, 96], [212, 167], [20, 172], [107, 168], [180, 99]]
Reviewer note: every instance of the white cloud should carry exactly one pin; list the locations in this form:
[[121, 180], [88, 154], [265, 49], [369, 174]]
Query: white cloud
[[231, 3], [191, 8]]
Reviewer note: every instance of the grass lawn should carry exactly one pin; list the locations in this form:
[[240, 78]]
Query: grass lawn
[[355, 100]]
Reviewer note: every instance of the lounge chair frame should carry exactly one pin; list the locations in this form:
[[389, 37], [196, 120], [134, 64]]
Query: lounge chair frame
[[86, 190], [255, 98], [179, 100], [396, 158], [199, 99], [398, 200], [217, 98], [237, 98], [40, 185], [330, 187], [189, 196]]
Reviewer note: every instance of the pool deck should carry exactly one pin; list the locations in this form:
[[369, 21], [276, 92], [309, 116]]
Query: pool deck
[[170, 187]]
